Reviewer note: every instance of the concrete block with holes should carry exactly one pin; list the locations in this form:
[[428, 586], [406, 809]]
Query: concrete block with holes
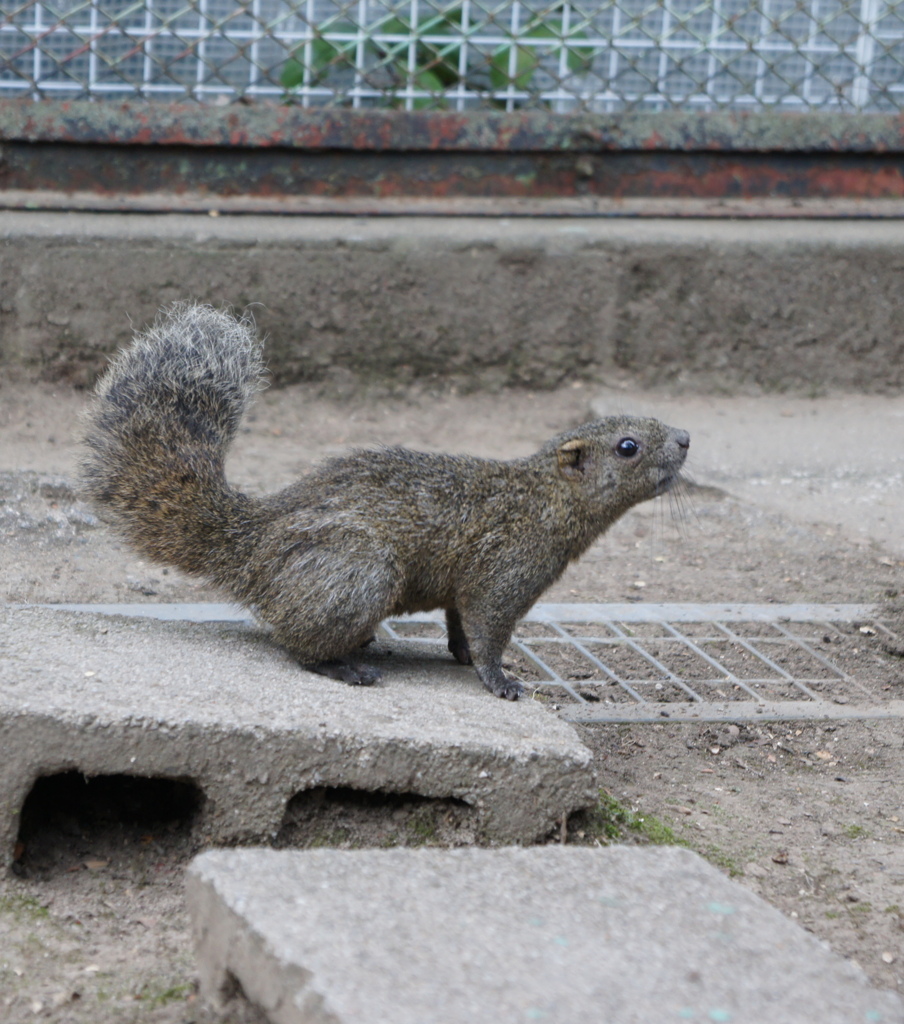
[[218, 705], [559, 934]]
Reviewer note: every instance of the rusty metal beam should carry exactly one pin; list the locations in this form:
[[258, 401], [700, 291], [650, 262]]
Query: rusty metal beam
[[274, 172], [160, 156], [269, 125]]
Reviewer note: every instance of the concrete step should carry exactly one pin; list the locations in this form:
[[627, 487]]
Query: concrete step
[[556, 934], [218, 705], [484, 301]]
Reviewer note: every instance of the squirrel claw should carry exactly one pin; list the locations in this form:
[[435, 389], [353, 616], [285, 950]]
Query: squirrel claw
[[513, 690], [347, 672]]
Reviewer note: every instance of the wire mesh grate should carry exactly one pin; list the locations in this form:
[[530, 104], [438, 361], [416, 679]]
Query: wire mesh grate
[[631, 663], [596, 55]]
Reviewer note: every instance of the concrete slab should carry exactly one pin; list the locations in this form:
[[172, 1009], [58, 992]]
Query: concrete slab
[[555, 934], [221, 706], [834, 460]]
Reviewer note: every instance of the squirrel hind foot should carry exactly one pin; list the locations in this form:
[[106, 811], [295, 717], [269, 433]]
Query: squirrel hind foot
[[349, 672], [460, 650]]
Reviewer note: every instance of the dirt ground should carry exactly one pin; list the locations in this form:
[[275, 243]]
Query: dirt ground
[[808, 815]]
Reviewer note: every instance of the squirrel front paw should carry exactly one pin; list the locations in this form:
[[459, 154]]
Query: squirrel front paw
[[501, 684]]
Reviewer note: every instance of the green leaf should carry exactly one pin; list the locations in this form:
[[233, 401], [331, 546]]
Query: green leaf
[[501, 74], [389, 27], [425, 80], [441, 60], [429, 82], [393, 27], [579, 59], [292, 74], [443, 63], [325, 56], [444, 23], [527, 58]]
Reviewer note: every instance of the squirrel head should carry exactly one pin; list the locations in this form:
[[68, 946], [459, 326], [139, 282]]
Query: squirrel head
[[619, 461]]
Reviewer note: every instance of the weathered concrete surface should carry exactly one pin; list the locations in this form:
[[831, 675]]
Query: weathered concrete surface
[[221, 706], [484, 301], [564, 935]]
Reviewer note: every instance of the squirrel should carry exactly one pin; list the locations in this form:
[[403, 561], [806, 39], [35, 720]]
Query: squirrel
[[367, 535]]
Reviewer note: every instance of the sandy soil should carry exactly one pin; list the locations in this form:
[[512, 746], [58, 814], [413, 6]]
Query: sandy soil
[[810, 816]]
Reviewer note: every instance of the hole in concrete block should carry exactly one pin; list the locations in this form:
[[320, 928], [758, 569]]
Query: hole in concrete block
[[235, 1004], [68, 819], [349, 818]]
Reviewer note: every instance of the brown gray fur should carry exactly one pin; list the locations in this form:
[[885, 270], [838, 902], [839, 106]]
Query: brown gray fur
[[367, 535]]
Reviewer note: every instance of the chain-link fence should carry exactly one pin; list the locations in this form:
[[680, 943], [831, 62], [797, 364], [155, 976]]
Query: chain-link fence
[[597, 55]]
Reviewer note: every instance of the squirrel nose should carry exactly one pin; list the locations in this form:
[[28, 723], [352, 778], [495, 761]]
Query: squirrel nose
[[683, 439]]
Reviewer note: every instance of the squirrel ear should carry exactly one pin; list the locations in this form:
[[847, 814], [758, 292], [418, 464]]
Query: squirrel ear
[[572, 459]]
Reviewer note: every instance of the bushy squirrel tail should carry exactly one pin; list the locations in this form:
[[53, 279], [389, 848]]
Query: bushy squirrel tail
[[163, 416]]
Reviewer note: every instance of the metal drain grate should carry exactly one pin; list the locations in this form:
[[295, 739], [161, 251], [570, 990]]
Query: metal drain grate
[[701, 662], [681, 662]]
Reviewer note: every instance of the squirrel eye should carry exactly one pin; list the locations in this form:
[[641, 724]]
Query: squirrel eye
[[627, 448]]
